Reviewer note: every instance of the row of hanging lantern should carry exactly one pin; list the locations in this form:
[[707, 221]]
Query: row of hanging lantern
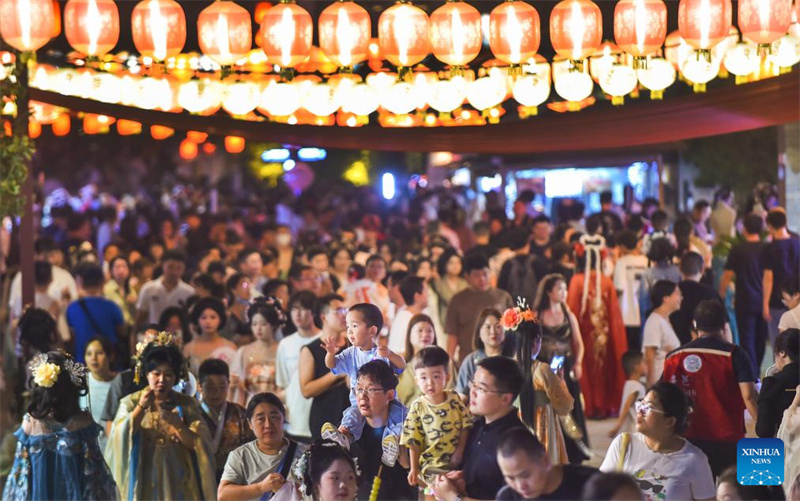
[[452, 33]]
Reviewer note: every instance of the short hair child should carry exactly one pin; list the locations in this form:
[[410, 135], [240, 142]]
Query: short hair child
[[438, 422]]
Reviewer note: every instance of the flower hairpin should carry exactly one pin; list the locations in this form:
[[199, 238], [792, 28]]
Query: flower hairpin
[[513, 317], [45, 373], [300, 469]]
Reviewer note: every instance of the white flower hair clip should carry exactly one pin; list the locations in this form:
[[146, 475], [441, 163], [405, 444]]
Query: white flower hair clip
[[45, 374]]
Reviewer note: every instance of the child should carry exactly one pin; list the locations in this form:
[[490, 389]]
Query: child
[[438, 422], [364, 322], [635, 369]]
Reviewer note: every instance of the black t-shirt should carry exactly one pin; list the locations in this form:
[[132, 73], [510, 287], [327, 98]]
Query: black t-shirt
[[693, 293], [745, 262], [394, 481], [571, 488], [783, 258], [481, 472], [329, 406]]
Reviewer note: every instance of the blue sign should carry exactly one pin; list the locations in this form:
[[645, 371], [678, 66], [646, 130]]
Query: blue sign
[[760, 461]]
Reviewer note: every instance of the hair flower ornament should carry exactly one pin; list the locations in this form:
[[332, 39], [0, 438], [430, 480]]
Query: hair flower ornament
[[513, 317], [45, 374], [163, 338]]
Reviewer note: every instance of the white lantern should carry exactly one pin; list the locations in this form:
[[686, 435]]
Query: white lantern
[[573, 86], [106, 88], [240, 98], [447, 95], [321, 100], [742, 58], [658, 75], [532, 90], [155, 94], [67, 82], [381, 81], [486, 92], [618, 81], [130, 91], [785, 51], [423, 84], [699, 70], [400, 99], [280, 99], [199, 96], [360, 99]]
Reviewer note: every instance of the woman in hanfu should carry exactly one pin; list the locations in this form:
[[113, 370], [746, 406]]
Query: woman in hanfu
[[593, 298], [160, 446]]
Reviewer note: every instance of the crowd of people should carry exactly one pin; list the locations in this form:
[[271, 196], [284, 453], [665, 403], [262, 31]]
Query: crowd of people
[[347, 352]]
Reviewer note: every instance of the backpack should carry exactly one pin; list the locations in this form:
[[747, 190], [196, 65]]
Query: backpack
[[521, 279]]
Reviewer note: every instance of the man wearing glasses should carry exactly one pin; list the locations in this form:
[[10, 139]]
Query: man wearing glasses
[[375, 392], [493, 389]]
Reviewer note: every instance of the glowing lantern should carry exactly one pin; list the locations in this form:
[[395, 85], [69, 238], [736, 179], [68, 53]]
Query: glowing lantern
[[234, 144], [514, 32], [196, 136], [128, 127], [700, 70], [200, 96], [360, 99], [224, 32], [741, 60], [676, 50], [91, 26], [344, 33], [657, 76], [456, 34], [26, 25], [160, 132], [486, 92], [240, 98], [447, 95], [43, 113], [155, 94], [403, 35], [209, 148], [704, 23], [602, 60], [280, 99], [96, 124], [619, 81], [570, 84], [158, 28], [531, 90], [640, 27], [56, 19], [34, 129], [61, 126], [786, 51], [400, 98], [321, 100], [764, 21], [286, 34], [188, 150], [576, 29], [261, 10]]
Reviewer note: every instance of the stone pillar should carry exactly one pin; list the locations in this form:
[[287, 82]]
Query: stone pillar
[[789, 173]]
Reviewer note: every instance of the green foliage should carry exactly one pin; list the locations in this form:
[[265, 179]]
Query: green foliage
[[738, 161]]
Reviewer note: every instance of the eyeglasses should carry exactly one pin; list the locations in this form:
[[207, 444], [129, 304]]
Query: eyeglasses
[[482, 389], [340, 311], [368, 392], [644, 408]]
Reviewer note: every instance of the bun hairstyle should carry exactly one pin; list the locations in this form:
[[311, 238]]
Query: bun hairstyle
[[317, 459], [268, 307], [56, 383], [156, 354], [208, 303], [675, 402]]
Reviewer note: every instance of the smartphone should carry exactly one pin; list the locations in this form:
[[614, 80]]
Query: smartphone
[[556, 363]]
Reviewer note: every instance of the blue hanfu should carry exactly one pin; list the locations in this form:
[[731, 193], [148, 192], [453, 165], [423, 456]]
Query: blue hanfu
[[59, 461]]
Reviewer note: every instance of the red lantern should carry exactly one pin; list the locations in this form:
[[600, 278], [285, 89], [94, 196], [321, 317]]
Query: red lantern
[[160, 132], [764, 21], [224, 32], [196, 137], [344, 33], [576, 28], [640, 27], [34, 129], [128, 127], [91, 26], [188, 149], [287, 32], [56, 19], [234, 144], [456, 33], [261, 10], [159, 28], [61, 126], [403, 35], [704, 23], [26, 25], [514, 32]]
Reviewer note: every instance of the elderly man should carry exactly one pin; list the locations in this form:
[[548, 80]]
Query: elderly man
[[375, 392]]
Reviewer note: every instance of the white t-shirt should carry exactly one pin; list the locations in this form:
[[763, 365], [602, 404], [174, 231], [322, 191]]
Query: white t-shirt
[[627, 278], [287, 376], [155, 298], [658, 332], [790, 319], [399, 331], [61, 280], [629, 426], [679, 475]]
